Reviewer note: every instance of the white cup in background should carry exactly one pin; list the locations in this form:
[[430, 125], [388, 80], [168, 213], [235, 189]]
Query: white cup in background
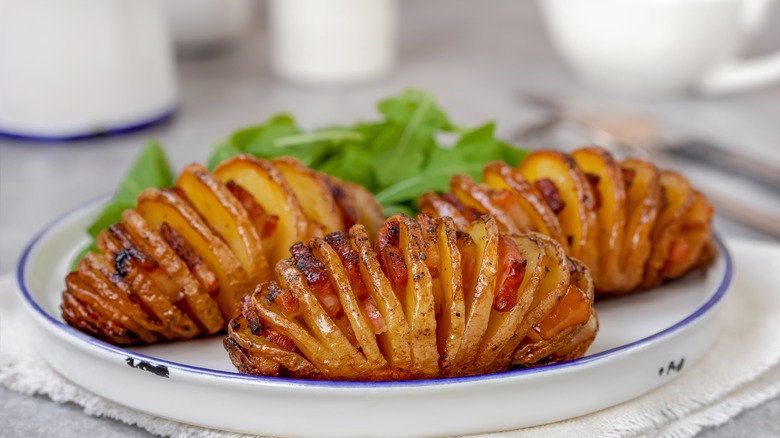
[[206, 24], [660, 47], [74, 68], [328, 42]]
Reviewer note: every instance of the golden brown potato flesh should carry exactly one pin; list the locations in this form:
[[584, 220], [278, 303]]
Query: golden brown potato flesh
[[185, 256], [224, 213], [312, 192], [633, 225], [493, 291], [270, 189]]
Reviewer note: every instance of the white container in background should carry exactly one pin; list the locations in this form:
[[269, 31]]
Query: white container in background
[[332, 42], [197, 24], [661, 47], [73, 68]]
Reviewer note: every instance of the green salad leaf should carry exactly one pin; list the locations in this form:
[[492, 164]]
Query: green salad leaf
[[150, 169], [398, 157]]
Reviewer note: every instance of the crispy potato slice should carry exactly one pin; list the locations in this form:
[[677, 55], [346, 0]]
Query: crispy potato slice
[[90, 312], [434, 205], [270, 189], [578, 217], [643, 204], [247, 361], [552, 285], [312, 192], [524, 204], [694, 237], [225, 215], [257, 347], [158, 207], [370, 213], [677, 197], [173, 276], [579, 343], [498, 343], [345, 359], [452, 321], [296, 330], [478, 295], [357, 205], [97, 274], [357, 319], [395, 342], [474, 196], [610, 211], [127, 256], [565, 323], [418, 303]]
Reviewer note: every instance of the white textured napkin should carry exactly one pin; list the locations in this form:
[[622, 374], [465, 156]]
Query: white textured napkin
[[741, 370]]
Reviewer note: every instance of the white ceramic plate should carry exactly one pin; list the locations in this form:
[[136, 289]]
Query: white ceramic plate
[[645, 340]]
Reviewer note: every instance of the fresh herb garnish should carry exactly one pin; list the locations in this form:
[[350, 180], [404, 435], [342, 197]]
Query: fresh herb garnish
[[398, 157], [150, 169]]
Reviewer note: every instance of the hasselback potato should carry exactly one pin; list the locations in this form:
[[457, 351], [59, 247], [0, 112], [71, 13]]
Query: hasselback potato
[[632, 224], [426, 300], [176, 266]]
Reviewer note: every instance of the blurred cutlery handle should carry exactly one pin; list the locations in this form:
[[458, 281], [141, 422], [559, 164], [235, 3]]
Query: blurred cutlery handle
[[720, 158], [746, 215]]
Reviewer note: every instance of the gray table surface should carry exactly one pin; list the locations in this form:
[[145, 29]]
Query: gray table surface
[[477, 58]]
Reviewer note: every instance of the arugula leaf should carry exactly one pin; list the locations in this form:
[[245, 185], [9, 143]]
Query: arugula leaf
[[398, 157], [432, 180], [111, 214], [264, 143], [400, 154], [510, 154], [222, 152], [244, 136], [323, 136], [405, 151], [353, 163], [150, 169], [401, 109]]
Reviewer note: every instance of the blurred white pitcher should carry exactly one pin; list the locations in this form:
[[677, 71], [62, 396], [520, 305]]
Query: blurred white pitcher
[[73, 68], [660, 47]]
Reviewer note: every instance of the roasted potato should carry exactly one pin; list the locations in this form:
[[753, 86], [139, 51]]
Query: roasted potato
[[177, 265], [425, 301], [633, 225]]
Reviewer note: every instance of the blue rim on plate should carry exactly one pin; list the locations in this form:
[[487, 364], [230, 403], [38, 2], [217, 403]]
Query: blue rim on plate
[[123, 354], [106, 132]]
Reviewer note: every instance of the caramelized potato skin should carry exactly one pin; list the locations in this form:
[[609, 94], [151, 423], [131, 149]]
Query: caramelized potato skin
[[177, 265], [440, 319], [633, 225]]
